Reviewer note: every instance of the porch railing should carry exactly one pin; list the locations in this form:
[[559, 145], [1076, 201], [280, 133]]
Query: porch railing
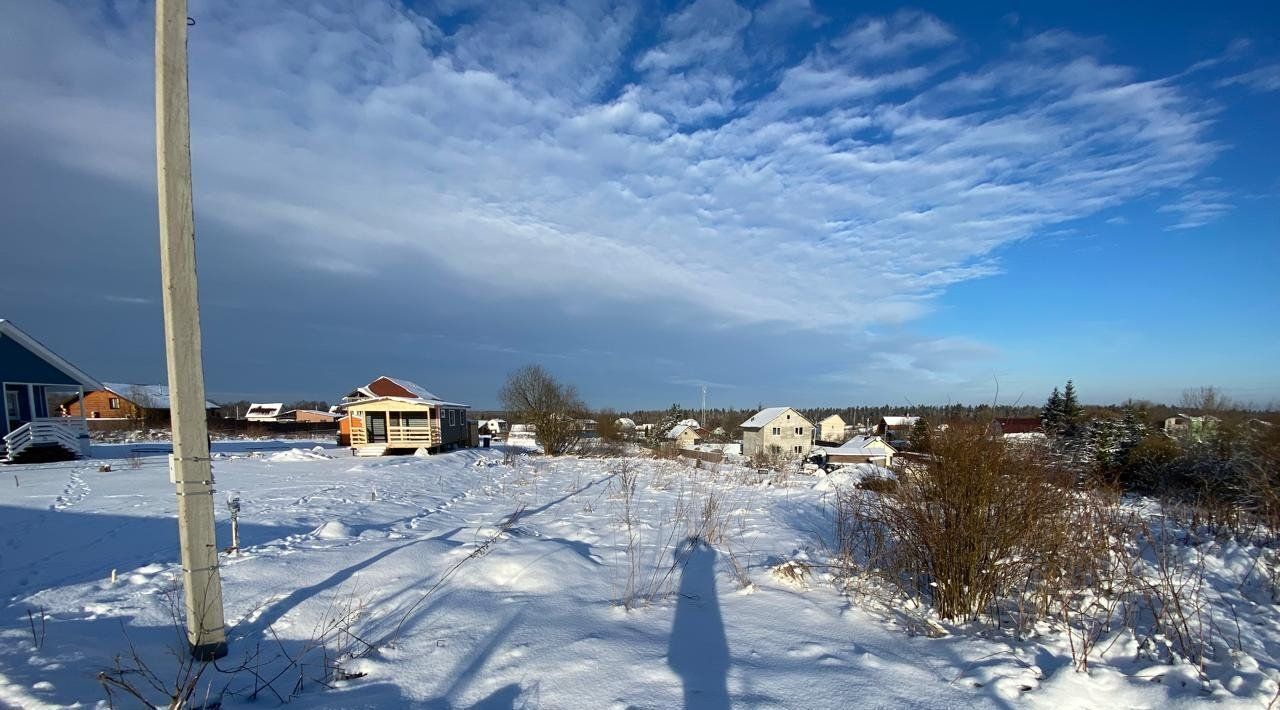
[[68, 433], [411, 435]]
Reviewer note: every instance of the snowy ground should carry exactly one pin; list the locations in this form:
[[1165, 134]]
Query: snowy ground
[[496, 581]]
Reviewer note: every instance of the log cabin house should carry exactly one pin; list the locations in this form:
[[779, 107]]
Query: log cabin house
[[148, 404]]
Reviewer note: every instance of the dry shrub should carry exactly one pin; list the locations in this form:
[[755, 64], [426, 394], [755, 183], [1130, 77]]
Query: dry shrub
[[878, 484], [982, 532], [976, 519], [792, 571]]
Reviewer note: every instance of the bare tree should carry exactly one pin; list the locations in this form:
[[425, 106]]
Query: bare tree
[[1206, 400], [533, 396]]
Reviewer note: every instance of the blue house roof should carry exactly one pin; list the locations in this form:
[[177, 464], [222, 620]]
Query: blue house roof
[[24, 359]]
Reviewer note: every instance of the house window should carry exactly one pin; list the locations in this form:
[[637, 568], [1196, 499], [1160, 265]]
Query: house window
[[799, 430], [777, 431], [452, 419], [113, 403], [799, 449], [11, 404]]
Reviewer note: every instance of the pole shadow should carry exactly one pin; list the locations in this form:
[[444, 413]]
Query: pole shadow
[[698, 651]]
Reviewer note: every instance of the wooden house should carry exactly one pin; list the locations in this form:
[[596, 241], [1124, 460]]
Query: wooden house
[[313, 416], [396, 415], [895, 428], [141, 403], [35, 381]]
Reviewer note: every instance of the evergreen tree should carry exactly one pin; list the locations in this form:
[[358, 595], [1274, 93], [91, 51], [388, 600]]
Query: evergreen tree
[[921, 436], [669, 419], [1051, 415], [1071, 410]]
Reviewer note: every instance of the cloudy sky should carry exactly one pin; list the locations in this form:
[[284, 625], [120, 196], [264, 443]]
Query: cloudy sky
[[790, 201]]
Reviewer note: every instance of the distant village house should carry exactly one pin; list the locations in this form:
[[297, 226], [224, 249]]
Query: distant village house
[[895, 428], [1016, 428], [269, 412], [777, 431], [832, 429]]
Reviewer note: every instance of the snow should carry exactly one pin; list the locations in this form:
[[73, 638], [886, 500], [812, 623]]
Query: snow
[[267, 411], [149, 396], [857, 442], [763, 417], [503, 573], [677, 430], [418, 390]]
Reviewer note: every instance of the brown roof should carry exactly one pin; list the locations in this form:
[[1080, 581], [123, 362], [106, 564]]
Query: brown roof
[[1019, 425]]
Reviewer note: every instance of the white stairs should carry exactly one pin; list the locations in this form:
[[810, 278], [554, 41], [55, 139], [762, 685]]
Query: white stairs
[[71, 436], [371, 450]]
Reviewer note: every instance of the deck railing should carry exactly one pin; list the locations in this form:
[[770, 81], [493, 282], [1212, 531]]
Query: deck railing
[[70, 433], [402, 435]]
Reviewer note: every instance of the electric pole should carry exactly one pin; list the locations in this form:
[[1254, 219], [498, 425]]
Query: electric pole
[[190, 468]]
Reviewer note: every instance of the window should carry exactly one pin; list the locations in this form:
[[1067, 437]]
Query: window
[[777, 431], [11, 404], [799, 449], [453, 417], [113, 403], [799, 430]]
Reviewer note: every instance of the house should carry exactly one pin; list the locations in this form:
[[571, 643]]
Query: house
[[832, 428], [860, 449], [1016, 428], [776, 430], [399, 415], [117, 400], [31, 377], [269, 412], [492, 427], [314, 416], [895, 428], [1192, 426], [685, 436]]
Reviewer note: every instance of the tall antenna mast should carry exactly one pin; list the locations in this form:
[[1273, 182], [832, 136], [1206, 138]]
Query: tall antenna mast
[[702, 416]]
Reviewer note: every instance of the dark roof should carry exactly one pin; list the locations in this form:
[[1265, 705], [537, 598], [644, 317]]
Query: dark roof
[[1019, 425]]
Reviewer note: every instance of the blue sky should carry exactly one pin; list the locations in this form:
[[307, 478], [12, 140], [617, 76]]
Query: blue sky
[[792, 202]]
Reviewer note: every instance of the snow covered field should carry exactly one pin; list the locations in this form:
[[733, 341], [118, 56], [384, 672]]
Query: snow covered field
[[494, 579]]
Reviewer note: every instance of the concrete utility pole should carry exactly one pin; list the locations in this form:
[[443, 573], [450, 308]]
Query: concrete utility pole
[[190, 467]]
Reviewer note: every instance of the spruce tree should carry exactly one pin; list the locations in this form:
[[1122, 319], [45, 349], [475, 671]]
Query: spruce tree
[[921, 436], [1051, 415], [1071, 410]]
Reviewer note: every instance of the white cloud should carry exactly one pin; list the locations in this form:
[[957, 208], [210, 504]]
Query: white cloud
[[1263, 79], [558, 153], [1197, 208]]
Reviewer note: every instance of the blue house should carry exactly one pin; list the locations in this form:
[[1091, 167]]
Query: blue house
[[35, 382]]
